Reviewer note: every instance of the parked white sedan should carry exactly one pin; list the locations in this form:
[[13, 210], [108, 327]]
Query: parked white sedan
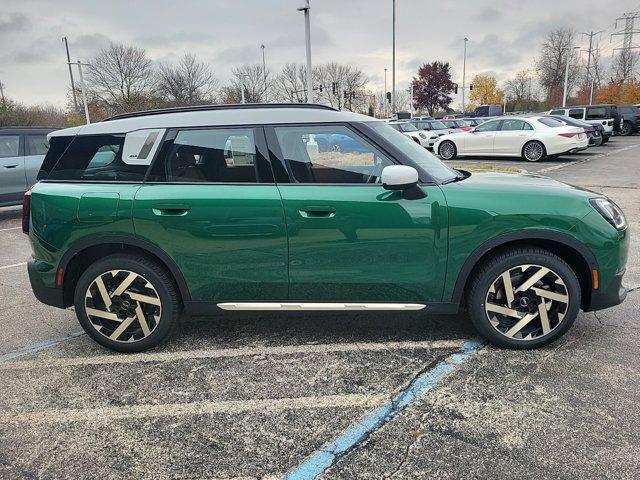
[[532, 138], [425, 139]]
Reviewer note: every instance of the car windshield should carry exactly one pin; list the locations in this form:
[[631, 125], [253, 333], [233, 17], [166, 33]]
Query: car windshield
[[438, 126], [419, 155], [407, 127]]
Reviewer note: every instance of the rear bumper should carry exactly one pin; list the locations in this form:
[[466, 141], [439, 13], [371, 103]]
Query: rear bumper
[[613, 295], [44, 293]]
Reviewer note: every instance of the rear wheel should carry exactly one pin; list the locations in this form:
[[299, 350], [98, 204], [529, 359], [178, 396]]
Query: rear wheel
[[524, 298], [533, 151], [626, 129], [447, 150], [127, 303]]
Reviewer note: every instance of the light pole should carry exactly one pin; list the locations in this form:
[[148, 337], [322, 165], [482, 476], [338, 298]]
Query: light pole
[[464, 69], [393, 56], [566, 74], [384, 95], [242, 86], [84, 91], [73, 87], [307, 36], [264, 73], [411, 90]]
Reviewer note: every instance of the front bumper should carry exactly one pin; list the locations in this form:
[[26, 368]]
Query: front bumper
[[613, 295], [46, 294]]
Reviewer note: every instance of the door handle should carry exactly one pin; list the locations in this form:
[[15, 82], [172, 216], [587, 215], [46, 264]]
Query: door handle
[[317, 212], [170, 210], [14, 165]]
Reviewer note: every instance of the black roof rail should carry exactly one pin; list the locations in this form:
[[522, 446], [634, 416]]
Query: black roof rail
[[233, 106]]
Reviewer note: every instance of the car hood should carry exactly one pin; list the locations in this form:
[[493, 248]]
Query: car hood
[[494, 181]]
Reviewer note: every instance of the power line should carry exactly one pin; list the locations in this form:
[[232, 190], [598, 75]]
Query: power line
[[626, 57]]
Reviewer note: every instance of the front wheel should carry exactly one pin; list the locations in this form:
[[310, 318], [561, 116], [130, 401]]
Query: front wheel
[[447, 150], [523, 298], [533, 151], [127, 303]]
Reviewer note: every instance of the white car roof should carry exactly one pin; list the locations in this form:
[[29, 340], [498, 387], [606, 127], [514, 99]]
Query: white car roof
[[217, 115]]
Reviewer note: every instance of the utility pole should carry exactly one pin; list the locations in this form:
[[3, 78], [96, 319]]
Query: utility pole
[[84, 91], [566, 74], [73, 87], [411, 90], [2, 93], [384, 95], [393, 68], [264, 73], [589, 55], [307, 36], [464, 69], [627, 44]]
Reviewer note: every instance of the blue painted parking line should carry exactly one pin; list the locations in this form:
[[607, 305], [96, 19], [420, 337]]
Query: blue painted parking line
[[38, 346], [320, 461]]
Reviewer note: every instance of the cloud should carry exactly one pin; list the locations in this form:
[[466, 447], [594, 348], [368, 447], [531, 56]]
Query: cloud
[[86, 46], [13, 22]]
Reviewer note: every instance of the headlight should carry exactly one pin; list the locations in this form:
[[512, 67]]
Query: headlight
[[422, 135], [610, 211]]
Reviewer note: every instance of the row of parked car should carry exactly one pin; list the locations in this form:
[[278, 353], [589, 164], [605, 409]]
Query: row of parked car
[[530, 136]]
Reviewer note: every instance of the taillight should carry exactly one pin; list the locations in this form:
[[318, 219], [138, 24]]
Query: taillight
[[568, 135], [26, 210]]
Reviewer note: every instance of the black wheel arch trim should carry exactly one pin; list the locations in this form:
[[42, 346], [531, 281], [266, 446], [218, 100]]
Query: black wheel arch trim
[[128, 240], [497, 241]]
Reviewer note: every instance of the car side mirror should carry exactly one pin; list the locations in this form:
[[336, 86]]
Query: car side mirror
[[403, 178]]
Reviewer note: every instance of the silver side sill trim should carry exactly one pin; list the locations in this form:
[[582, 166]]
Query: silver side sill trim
[[272, 306]]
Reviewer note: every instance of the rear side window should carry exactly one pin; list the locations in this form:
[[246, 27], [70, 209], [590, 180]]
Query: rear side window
[[96, 158], [9, 146], [37, 144], [577, 113], [221, 155], [557, 112], [550, 122], [510, 124], [596, 113]]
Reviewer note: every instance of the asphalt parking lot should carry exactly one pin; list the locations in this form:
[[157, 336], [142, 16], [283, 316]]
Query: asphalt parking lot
[[343, 396]]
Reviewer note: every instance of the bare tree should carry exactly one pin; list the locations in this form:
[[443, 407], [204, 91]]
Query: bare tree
[[520, 91], [552, 63], [342, 85], [290, 85], [122, 78], [251, 79], [14, 113], [188, 82], [622, 69]]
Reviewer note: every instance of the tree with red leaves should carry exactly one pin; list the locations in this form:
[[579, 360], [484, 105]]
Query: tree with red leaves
[[432, 87]]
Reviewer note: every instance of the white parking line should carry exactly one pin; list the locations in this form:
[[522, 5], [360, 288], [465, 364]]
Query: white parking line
[[584, 160], [228, 353], [268, 405], [13, 265], [12, 228]]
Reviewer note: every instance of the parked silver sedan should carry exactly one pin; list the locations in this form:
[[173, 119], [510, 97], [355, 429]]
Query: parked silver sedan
[[22, 150]]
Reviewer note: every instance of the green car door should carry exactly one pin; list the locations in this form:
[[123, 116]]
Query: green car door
[[349, 238], [210, 202]]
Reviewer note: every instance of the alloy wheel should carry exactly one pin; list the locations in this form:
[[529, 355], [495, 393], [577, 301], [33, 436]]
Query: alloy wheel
[[447, 150], [123, 306], [626, 129], [533, 151], [527, 302]]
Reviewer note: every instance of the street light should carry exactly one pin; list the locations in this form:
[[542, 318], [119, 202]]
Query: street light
[[384, 95], [264, 73], [566, 74], [242, 86], [393, 55], [84, 92], [307, 36], [464, 69]]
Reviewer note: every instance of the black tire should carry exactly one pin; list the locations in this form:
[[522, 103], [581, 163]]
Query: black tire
[[490, 270], [626, 129], [448, 154], [605, 140], [538, 145], [149, 272]]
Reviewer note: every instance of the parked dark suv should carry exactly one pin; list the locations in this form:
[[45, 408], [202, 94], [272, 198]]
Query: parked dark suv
[[630, 119]]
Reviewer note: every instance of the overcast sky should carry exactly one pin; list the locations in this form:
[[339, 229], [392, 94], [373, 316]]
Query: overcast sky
[[504, 35]]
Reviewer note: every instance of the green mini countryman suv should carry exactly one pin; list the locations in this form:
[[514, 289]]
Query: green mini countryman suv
[[302, 207]]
